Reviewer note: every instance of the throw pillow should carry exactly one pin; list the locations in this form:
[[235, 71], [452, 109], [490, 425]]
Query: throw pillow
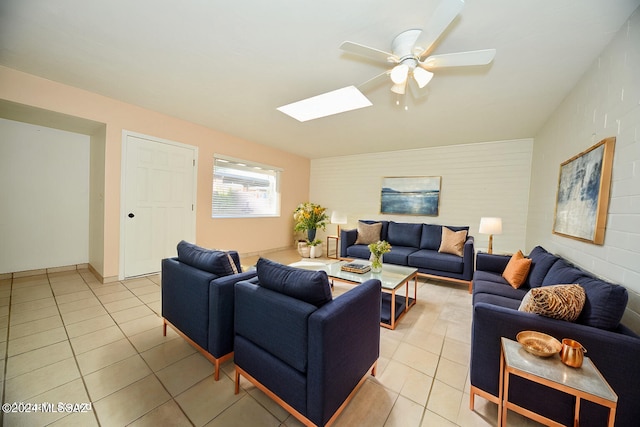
[[368, 233], [517, 270], [604, 305], [541, 263], [232, 264], [453, 241], [213, 261], [563, 302], [306, 285]]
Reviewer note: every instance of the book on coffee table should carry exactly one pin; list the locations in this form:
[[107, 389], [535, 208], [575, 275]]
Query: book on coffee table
[[354, 267]]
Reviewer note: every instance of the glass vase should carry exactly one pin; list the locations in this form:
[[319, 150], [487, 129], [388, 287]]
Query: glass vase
[[376, 263]]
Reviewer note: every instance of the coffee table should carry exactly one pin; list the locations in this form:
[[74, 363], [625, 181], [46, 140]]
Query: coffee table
[[392, 277]]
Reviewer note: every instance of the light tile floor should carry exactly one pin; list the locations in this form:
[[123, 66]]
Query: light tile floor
[[65, 337]]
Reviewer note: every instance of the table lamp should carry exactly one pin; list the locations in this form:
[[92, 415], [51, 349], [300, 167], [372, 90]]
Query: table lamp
[[490, 226], [338, 218]]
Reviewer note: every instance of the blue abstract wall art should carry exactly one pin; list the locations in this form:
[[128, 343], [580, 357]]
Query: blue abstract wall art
[[410, 195], [583, 193]]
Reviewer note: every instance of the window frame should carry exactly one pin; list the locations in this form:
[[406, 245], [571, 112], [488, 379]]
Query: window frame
[[242, 167]]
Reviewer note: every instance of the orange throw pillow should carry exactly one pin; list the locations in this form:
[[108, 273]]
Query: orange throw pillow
[[517, 270]]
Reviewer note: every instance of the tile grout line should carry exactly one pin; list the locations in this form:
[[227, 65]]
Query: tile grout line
[[6, 351], [171, 397], [73, 352]]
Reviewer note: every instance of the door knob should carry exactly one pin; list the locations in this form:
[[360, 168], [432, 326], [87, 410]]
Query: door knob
[[131, 215]]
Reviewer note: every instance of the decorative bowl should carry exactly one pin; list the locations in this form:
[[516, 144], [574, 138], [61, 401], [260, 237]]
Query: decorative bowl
[[537, 343]]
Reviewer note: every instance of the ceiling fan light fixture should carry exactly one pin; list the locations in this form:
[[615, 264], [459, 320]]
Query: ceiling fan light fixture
[[399, 73], [422, 76], [399, 88]]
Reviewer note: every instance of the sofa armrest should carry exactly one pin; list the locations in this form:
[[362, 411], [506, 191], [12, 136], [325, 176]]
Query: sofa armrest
[[344, 342], [347, 238], [491, 262], [221, 306], [468, 258], [185, 299], [614, 354]]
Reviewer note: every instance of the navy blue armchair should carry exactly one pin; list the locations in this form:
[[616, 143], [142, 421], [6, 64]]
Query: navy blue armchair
[[308, 352], [198, 299]]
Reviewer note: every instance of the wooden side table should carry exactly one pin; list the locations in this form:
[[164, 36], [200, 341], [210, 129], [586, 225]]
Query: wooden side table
[[585, 382], [336, 245]]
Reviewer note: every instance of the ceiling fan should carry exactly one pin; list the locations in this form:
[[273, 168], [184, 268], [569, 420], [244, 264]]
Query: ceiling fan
[[410, 52], [411, 49]]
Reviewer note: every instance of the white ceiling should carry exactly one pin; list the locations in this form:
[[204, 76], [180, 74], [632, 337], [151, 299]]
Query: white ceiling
[[229, 64]]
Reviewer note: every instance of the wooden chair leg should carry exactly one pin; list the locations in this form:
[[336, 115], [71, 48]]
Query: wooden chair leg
[[237, 390], [216, 374], [164, 327]]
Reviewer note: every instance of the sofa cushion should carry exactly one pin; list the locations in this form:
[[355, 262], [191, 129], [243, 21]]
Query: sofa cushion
[[499, 300], [368, 233], [516, 271], [399, 255], [404, 234], [217, 262], [308, 286], [453, 241], [431, 237], [358, 251], [491, 283], [561, 272], [605, 304], [563, 302], [541, 262], [433, 260]]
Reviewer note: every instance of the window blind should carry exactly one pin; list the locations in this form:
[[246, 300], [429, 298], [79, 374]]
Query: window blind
[[244, 189]]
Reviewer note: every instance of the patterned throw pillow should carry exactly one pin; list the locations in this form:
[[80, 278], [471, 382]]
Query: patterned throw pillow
[[368, 233], [453, 241], [563, 302], [517, 270]]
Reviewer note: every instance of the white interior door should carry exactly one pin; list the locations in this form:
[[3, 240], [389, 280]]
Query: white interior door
[[159, 201]]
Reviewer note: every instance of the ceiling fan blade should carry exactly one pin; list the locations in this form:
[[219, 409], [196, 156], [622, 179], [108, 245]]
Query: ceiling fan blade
[[374, 82], [443, 16], [460, 59], [369, 52]]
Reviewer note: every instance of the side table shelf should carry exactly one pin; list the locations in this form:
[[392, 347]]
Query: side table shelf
[[585, 382], [334, 255]]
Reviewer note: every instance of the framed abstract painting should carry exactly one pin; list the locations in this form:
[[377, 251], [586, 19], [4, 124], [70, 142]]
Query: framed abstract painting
[[411, 195], [582, 201]]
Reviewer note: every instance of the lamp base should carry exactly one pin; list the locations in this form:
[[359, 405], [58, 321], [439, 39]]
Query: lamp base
[[490, 250]]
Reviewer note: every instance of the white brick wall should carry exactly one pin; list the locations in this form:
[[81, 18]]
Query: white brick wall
[[482, 179], [606, 102]]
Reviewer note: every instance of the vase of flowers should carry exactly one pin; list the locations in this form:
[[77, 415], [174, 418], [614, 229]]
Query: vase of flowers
[[309, 217], [378, 249]]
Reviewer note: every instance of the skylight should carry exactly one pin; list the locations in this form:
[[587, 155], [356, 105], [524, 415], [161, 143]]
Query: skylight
[[334, 102]]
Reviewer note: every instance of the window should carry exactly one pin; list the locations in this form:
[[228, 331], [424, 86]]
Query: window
[[244, 189]]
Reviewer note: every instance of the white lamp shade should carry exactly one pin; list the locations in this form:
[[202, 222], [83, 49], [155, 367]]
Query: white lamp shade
[[338, 218], [399, 73], [422, 76], [399, 88], [490, 225]]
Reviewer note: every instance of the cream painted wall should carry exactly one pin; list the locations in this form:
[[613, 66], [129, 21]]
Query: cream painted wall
[[606, 102], [482, 179], [246, 235], [44, 213]]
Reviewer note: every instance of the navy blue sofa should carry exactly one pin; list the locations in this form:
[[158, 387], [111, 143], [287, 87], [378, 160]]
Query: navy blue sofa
[[308, 352], [613, 348], [416, 245], [198, 298]]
